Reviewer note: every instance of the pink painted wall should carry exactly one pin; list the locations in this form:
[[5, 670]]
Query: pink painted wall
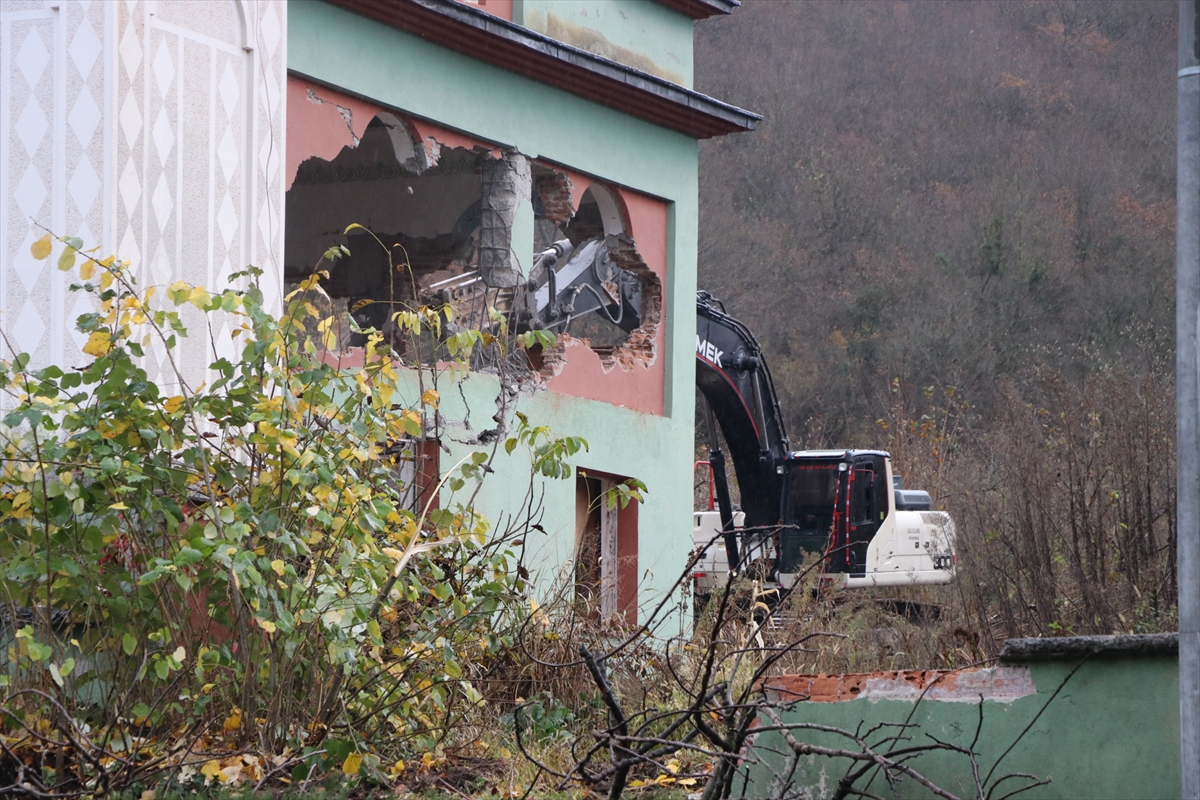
[[318, 129], [640, 386], [498, 8]]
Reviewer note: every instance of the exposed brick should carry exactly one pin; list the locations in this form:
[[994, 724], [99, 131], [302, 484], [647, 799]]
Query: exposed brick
[[553, 189], [1000, 683]]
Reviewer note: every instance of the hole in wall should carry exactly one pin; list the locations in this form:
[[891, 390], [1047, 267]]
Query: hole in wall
[[607, 296]]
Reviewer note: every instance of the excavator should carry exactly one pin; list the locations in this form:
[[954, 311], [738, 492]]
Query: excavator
[[843, 507]]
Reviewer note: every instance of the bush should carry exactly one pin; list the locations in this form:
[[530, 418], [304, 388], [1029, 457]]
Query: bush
[[231, 580]]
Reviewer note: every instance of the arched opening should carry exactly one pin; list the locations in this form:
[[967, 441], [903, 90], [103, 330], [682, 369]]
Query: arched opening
[[615, 297], [424, 212]]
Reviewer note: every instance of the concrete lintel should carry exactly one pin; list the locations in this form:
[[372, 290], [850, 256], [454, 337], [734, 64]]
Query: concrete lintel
[[1146, 644]]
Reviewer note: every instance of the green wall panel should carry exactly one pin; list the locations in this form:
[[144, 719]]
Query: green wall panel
[[1113, 731]]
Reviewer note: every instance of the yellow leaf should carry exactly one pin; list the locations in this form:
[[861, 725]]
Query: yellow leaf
[[199, 297], [173, 404], [42, 247], [233, 722], [87, 269], [211, 770], [267, 625], [392, 552], [278, 566], [98, 344], [107, 262], [351, 227], [687, 781], [119, 507], [429, 397], [352, 763], [106, 279]]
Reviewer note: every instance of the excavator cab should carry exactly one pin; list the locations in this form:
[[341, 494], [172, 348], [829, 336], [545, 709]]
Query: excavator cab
[[862, 509], [809, 502], [834, 505]]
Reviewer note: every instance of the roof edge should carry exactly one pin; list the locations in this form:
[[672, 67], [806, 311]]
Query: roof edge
[[702, 9], [517, 49]]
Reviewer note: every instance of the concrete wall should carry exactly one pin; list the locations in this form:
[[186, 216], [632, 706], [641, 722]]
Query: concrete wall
[[151, 128], [642, 34], [357, 57], [1112, 730]]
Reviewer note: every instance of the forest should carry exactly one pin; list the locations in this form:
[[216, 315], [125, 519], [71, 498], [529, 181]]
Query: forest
[[953, 234]]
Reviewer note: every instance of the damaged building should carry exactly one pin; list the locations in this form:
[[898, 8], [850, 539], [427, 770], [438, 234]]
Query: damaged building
[[535, 160], [530, 163]]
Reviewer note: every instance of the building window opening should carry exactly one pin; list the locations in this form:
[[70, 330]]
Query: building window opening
[[422, 245], [588, 280], [606, 549]]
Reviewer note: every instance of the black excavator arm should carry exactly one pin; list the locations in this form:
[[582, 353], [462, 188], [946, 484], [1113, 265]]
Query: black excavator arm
[[736, 383]]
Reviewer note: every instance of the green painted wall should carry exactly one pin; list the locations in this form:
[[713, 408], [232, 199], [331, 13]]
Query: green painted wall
[[1113, 731], [642, 34], [358, 56]]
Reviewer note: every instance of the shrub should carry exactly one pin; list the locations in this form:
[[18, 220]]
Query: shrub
[[192, 574]]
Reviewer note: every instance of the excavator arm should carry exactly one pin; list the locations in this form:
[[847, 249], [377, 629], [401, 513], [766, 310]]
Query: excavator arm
[[736, 382]]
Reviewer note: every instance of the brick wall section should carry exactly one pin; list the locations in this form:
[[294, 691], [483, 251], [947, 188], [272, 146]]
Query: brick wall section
[[554, 192], [1001, 684]]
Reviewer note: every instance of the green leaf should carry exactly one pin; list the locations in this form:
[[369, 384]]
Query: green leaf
[[67, 260], [187, 555], [162, 669], [129, 644], [39, 651]]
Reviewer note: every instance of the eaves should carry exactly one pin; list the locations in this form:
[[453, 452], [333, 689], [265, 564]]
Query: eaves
[[504, 44], [702, 9]]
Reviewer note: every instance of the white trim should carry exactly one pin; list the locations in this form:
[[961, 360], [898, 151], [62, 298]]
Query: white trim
[[5, 138], [1188, 71], [609, 565], [108, 169], [180, 155], [57, 316], [200, 38]]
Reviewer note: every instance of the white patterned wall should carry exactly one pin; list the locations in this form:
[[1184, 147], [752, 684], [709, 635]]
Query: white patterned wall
[[154, 128]]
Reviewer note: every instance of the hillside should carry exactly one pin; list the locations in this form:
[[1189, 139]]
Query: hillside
[[954, 235], [947, 193]]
